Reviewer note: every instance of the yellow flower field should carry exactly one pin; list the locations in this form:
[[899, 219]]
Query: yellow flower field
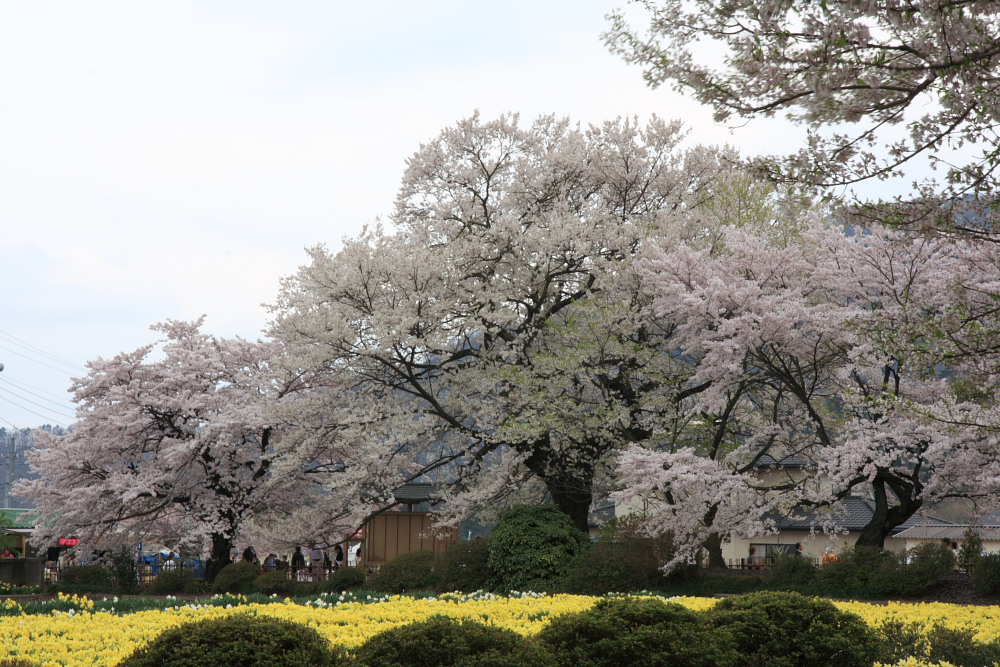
[[85, 637]]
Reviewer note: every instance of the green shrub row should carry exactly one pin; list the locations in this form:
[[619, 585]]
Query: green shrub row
[[537, 548], [775, 629]]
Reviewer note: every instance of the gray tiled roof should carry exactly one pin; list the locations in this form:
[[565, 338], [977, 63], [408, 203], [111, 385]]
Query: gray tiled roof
[[787, 461], [414, 492], [950, 531], [852, 513]]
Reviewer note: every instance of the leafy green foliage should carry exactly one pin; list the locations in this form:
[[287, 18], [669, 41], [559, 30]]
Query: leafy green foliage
[[791, 571], [412, 571], [240, 640], [344, 579], [236, 577], [17, 662], [986, 577], [637, 632], [275, 582], [868, 572], [784, 629], [533, 547], [939, 644], [970, 550], [926, 564], [91, 578], [446, 642], [465, 567], [171, 582], [623, 560], [124, 575]]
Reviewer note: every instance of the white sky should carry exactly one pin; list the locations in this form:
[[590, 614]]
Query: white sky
[[166, 159]]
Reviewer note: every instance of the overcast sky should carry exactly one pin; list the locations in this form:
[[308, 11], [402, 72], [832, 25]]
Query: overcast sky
[[168, 159]]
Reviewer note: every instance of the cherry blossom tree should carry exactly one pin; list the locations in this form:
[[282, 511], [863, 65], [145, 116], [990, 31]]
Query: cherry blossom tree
[[881, 88], [169, 440], [844, 350], [494, 335]]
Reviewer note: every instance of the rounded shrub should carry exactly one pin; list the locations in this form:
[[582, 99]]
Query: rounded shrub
[[986, 576], [784, 629], [344, 579], [613, 567], [791, 571], [275, 582], [533, 547], [412, 571], [926, 564], [865, 572], [171, 582], [86, 575], [236, 577], [240, 640], [441, 641], [637, 632], [465, 567], [901, 641]]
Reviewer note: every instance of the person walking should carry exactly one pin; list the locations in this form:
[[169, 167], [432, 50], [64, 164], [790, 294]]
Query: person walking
[[298, 564], [316, 562]]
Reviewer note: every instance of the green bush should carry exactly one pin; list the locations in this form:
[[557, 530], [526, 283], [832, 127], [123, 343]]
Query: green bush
[[533, 547], [970, 550], [465, 567], [899, 641], [610, 568], [860, 572], [785, 629], [440, 641], [344, 579], [926, 564], [868, 572], [639, 633], [790, 571], [124, 574], [412, 571], [275, 582], [171, 582], [959, 647], [236, 577], [81, 579], [986, 577], [86, 574], [623, 560], [240, 640]]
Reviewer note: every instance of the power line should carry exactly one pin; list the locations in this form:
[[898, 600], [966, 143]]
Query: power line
[[57, 401], [37, 414], [37, 361], [14, 340]]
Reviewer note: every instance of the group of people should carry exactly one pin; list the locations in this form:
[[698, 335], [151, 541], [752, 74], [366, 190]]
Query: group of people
[[304, 564], [757, 562]]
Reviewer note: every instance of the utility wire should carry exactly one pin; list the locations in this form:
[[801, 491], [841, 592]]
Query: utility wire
[[34, 412], [56, 400], [35, 361], [14, 340]]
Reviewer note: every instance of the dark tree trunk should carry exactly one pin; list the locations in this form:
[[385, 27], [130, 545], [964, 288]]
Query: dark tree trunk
[[713, 545], [885, 518], [571, 487], [574, 501], [222, 546]]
